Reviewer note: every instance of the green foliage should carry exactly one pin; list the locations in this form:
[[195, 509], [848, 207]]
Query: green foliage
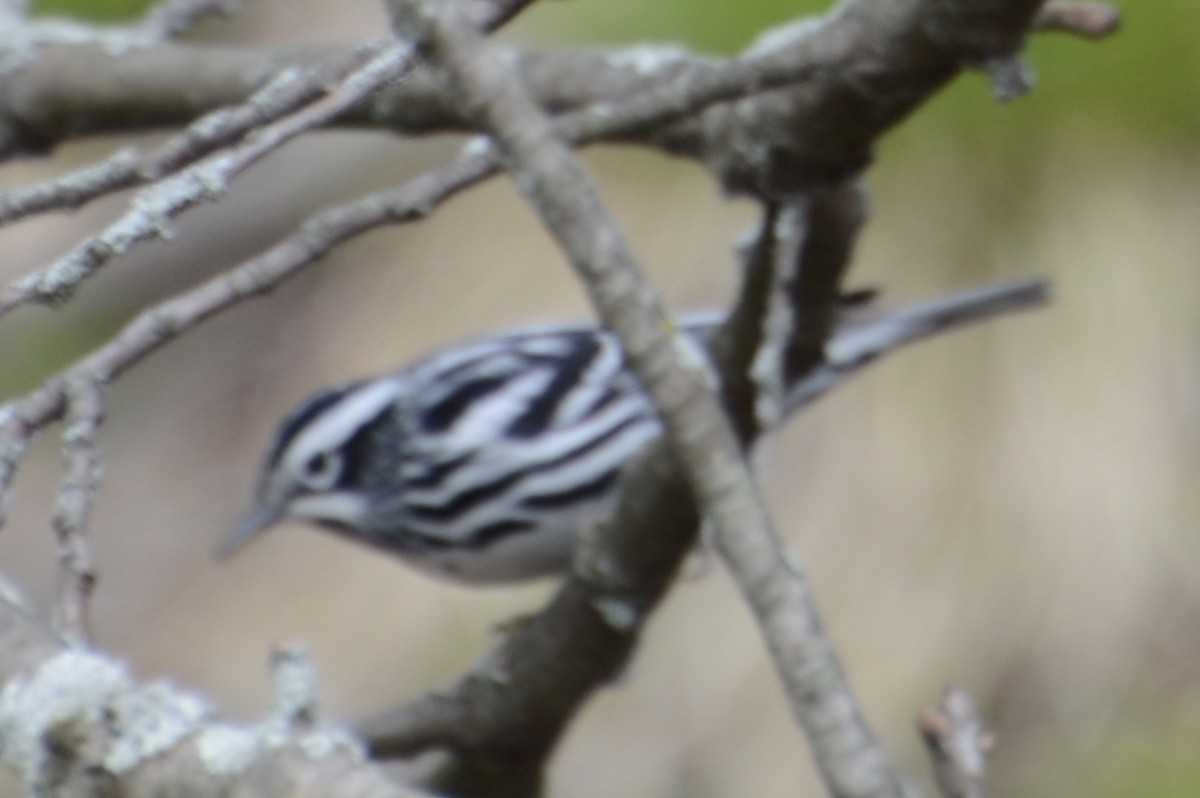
[[44, 349], [95, 10], [1166, 767]]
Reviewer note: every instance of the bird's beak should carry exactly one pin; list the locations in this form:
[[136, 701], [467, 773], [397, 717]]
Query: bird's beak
[[254, 522]]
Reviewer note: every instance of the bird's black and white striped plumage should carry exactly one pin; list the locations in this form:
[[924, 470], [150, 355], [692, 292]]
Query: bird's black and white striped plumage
[[483, 461]]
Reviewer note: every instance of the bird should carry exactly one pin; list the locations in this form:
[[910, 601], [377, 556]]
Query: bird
[[482, 462]]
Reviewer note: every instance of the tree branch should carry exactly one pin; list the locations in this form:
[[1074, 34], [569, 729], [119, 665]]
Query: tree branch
[[866, 66]]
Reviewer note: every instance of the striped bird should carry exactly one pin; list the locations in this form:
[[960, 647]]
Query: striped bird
[[483, 461]]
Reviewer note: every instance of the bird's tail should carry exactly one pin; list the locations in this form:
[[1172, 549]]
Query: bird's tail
[[861, 335]]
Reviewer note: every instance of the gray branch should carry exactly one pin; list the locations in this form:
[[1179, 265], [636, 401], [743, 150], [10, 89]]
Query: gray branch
[[287, 91], [154, 208]]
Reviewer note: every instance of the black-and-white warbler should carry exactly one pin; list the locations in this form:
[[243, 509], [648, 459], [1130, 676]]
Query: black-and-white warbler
[[483, 461]]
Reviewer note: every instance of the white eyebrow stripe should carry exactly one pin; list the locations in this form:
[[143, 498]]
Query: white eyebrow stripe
[[338, 424]]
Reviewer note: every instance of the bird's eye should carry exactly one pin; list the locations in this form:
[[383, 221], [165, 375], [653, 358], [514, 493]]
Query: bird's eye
[[321, 471]]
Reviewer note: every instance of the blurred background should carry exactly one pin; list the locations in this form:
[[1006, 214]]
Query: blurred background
[[1012, 509]]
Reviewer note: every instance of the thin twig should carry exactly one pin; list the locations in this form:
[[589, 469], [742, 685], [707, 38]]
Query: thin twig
[[290, 89], [73, 190], [1089, 20], [207, 180], [778, 319], [76, 493], [959, 745]]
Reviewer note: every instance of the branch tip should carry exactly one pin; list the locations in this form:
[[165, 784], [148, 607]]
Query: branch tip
[[958, 745], [1089, 20]]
